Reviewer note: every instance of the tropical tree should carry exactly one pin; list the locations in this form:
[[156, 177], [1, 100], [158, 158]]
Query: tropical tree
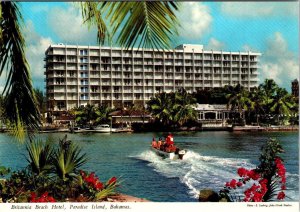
[[102, 114], [86, 115], [269, 88], [259, 100], [238, 99], [41, 99], [282, 104], [161, 107], [142, 23], [183, 110], [20, 102]]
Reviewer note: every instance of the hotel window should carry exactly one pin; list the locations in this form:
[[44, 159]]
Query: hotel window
[[83, 75], [83, 67], [84, 96], [83, 60], [84, 89], [83, 52], [60, 105], [84, 82]]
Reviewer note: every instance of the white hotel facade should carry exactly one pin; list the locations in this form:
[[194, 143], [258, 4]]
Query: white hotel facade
[[80, 75]]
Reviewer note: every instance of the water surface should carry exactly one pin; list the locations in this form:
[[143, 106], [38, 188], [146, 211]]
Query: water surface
[[212, 159]]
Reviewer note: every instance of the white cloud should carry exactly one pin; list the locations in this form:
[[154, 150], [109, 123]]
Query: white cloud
[[278, 62], [258, 9], [195, 19], [215, 44], [67, 24], [247, 48], [35, 53]]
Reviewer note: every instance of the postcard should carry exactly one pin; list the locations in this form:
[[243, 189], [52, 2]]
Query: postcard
[[149, 105]]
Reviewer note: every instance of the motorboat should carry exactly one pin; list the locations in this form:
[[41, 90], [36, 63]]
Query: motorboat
[[77, 130], [178, 154], [103, 128]]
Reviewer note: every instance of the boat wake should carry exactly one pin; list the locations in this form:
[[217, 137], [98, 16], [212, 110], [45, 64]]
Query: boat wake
[[199, 172]]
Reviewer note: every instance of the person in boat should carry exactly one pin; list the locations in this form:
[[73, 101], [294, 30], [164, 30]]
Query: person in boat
[[169, 143], [154, 143], [169, 140], [162, 146], [159, 143]]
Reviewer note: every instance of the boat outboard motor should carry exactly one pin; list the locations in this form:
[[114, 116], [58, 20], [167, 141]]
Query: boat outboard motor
[[181, 153]]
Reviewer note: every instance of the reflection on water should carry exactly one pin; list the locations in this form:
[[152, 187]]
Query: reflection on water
[[212, 159]]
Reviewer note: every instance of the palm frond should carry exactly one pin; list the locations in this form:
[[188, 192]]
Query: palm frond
[[143, 24], [68, 158], [39, 157], [92, 15], [20, 101]]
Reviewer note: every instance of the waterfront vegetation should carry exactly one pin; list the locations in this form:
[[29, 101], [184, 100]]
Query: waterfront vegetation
[[267, 104], [91, 115], [268, 179], [54, 174]]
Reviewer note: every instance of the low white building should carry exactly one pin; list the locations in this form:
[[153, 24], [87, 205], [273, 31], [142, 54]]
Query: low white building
[[213, 115]]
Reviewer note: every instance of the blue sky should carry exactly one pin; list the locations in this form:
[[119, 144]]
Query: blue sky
[[270, 28]]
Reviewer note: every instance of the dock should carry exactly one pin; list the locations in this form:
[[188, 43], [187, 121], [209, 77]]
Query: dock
[[249, 128]]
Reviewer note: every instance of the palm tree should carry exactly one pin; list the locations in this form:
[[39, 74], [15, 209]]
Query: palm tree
[[20, 102], [102, 114], [161, 107], [238, 99], [259, 100], [282, 104], [269, 88], [86, 115], [183, 109], [143, 23]]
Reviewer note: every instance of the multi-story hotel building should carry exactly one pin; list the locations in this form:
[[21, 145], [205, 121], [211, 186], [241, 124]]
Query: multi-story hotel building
[[80, 75]]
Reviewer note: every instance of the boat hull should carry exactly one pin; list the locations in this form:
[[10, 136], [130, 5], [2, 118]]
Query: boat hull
[[169, 155]]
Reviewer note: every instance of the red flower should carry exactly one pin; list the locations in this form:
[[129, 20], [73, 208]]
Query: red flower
[[44, 198], [257, 197], [281, 195], [239, 184], [232, 183], [227, 184], [263, 181], [283, 179], [98, 185], [51, 199], [112, 180], [44, 195], [253, 174], [283, 187], [32, 196], [242, 172]]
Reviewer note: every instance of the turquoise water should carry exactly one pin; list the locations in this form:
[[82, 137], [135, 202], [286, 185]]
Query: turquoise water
[[212, 159]]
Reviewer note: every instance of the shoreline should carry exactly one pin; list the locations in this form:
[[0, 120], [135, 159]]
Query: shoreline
[[247, 128]]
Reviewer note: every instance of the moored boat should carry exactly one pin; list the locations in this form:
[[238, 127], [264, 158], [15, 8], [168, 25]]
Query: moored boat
[[103, 128], [77, 130]]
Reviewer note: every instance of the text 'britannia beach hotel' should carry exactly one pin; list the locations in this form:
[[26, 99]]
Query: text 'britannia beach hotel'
[[80, 75]]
